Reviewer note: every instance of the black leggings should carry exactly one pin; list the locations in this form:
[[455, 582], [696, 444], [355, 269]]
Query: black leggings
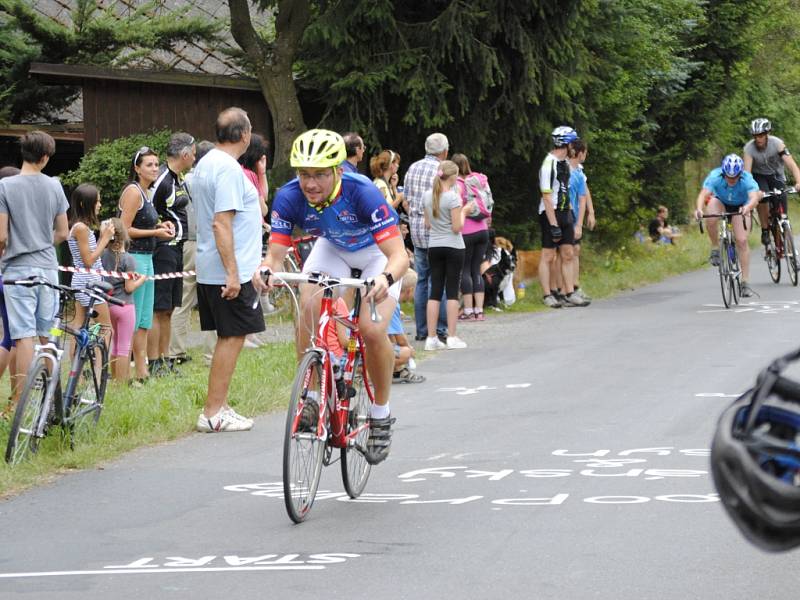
[[474, 255], [445, 264]]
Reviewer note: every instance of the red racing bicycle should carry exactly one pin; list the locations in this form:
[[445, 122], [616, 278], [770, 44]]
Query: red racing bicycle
[[343, 396]]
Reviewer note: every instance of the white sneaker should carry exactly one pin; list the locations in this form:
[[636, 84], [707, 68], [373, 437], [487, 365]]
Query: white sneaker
[[434, 343], [454, 343], [234, 415], [225, 420]]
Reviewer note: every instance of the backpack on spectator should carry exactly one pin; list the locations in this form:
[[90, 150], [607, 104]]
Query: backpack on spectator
[[477, 186]]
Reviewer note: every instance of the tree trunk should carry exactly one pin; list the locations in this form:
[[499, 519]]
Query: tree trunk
[[273, 69]]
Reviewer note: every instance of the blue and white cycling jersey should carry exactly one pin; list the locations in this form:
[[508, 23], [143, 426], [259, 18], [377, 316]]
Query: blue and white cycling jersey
[[577, 188], [736, 195], [358, 217]]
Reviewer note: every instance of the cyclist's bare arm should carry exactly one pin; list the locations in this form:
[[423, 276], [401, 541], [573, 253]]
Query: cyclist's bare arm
[[702, 198], [547, 199], [748, 163], [395, 251], [590, 219], [791, 164]]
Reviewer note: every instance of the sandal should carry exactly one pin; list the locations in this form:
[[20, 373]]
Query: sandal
[[480, 316], [466, 317], [406, 375]]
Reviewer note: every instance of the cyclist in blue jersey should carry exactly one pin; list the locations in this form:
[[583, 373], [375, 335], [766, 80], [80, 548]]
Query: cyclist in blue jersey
[[355, 228], [729, 188]]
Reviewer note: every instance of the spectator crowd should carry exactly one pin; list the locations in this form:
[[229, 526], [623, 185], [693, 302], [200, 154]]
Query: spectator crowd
[[202, 207]]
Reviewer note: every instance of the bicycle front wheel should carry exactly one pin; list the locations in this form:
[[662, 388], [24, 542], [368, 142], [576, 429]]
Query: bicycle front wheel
[[789, 253], [355, 468], [22, 439], [725, 273], [303, 451], [86, 389]]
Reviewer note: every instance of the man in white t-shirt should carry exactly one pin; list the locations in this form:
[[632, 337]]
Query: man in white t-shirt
[[228, 254]]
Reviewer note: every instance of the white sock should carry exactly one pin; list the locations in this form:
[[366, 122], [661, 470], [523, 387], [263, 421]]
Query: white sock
[[313, 396], [379, 411], [468, 311]]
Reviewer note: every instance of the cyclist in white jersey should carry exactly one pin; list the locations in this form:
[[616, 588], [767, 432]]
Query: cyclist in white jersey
[[765, 157]]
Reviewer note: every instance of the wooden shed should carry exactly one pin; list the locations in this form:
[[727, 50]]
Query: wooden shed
[[121, 102]]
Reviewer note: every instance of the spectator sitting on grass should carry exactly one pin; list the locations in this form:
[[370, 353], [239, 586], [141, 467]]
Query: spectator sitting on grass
[[660, 231]]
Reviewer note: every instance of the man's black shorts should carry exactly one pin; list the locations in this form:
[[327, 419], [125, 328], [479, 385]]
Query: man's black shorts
[[229, 318], [769, 183], [168, 292], [564, 221]]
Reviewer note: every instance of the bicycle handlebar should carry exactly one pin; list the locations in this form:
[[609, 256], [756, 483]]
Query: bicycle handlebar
[[97, 294], [776, 193], [718, 216], [324, 280]]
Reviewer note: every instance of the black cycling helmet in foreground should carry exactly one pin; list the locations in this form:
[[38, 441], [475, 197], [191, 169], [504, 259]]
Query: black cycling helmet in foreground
[[755, 459]]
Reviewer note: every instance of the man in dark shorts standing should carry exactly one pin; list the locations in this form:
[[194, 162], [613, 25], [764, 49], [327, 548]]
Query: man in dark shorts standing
[[171, 199], [228, 253], [555, 219]]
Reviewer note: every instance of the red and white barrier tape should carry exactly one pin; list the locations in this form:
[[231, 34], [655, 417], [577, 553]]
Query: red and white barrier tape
[[127, 274]]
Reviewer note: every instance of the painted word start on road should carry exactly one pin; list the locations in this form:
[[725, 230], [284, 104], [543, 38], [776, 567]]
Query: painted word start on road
[[150, 565], [275, 490]]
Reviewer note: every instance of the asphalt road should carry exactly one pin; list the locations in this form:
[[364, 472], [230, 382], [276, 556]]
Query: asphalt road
[[562, 455]]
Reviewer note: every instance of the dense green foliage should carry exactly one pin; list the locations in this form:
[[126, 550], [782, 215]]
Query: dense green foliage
[[97, 36], [649, 84], [108, 165]]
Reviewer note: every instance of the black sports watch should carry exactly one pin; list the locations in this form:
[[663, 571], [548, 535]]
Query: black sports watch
[[389, 278]]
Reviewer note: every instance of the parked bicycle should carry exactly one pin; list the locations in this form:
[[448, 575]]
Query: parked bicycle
[[42, 405], [730, 271], [343, 395], [781, 244]]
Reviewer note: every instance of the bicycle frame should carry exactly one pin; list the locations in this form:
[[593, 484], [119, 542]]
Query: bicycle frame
[[326, 325]]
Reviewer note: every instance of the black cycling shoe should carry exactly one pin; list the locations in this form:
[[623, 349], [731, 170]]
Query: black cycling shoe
[[379, 441], [765, 237], [309, 415], [714, 257]]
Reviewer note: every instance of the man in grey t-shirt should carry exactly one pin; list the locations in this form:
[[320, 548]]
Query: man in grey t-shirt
[[33, 217], [765, 157]]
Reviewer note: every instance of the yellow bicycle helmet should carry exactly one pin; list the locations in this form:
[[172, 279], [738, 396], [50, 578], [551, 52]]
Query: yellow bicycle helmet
[[318, 148]]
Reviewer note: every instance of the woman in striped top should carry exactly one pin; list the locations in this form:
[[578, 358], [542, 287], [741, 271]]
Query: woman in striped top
[[86, 250]]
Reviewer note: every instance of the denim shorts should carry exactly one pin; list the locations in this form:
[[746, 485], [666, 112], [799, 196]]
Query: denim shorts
[[30, 309]]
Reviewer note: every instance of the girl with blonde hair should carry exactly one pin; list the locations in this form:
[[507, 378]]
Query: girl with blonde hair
[[444, 217]]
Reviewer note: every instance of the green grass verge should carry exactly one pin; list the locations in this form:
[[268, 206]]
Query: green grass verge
[[606, 273], [164, 409]]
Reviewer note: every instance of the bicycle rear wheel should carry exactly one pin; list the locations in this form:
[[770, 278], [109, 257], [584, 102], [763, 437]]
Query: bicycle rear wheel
[[772, 258], [790, 253], [303, 451], [725, 274], [355, 468], [22, 438], [86, 389]]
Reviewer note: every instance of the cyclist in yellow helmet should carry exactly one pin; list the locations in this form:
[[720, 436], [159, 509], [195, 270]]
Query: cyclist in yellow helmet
[[355, 229]]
